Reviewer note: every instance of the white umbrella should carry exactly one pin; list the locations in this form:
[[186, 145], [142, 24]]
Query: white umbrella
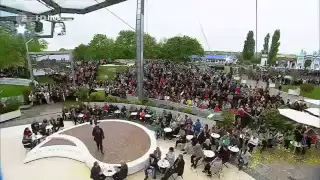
[[314, 111], [301, 117], [313, 101]]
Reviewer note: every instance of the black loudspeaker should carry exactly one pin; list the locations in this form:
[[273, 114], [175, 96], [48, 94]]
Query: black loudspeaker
[[38, 27]]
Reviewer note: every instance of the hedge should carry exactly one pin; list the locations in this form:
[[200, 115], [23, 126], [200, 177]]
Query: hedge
[[9, 105]]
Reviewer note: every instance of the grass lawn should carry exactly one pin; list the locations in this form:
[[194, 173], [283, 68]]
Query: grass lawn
[[44, 80], [280, 155], [12, 90], [109, 72], [315, 94]]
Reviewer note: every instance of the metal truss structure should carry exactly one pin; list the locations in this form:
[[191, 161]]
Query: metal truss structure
[[56, 8]]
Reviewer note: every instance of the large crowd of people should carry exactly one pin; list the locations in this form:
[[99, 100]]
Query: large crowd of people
[[207, 88]]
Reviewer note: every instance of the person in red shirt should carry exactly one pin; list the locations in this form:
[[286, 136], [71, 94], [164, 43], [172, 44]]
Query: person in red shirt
[[238, 90], [216, 108], [27, 132], [106, 107], [142, 116]]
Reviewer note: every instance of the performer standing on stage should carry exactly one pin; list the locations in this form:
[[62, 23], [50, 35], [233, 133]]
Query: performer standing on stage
[[98, 135]]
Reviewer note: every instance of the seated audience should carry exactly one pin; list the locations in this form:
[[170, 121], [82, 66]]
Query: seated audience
[[170, 156], [35, 127], [197, 155], [243, 158], [207, 145], [253, 142], [182, 138], [27, 140], [152, 165], [158, 153], [177, 167], [122, 172], [96, 172], [214, 163]]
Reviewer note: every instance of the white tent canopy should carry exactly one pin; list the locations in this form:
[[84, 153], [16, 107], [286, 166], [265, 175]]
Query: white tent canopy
[[301, 117], [314, 111], [313, 101]]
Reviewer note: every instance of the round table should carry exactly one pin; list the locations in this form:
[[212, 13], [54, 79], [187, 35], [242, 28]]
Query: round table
[[163, 164], [36, 137], [108, 171], [80, 115], [134, 113], [49, 127], [234, 149], [215, 135], [189, 137], [208, 153], [148, 116], [117, 112], [167, 129], [295, 144]]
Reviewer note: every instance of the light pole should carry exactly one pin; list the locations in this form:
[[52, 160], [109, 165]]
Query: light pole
[[257, 29], [28, 59], [319, 27]]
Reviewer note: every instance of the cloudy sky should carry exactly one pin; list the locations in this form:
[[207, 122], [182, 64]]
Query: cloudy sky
[[225, 23]]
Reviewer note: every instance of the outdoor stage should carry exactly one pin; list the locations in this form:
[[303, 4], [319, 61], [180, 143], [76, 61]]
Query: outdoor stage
[[124, 141]]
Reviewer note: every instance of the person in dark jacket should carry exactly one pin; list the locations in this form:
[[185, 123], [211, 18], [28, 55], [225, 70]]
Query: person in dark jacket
[[122, 173], [152, 165], [60, 121], [98, 135], [177, 167], [95, 171]]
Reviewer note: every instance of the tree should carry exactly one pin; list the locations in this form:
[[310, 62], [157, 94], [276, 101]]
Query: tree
[[271, 118], [126, 45], [180, 48], [266, 44], [248, 47], [13, 49], [307, 63], [274, 49], [228, 119], [101, 47], [81, 52]]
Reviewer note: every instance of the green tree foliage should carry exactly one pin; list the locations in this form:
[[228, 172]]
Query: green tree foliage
[[181, 48], [248, 47], [101, 47], [266, 44], [13, 50], [81, 52], [124, 47], [307, 63], [271, 118], [274, 48], [228, 119]]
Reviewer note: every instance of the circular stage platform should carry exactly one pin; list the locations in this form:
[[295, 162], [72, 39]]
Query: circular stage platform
[[124, 141]]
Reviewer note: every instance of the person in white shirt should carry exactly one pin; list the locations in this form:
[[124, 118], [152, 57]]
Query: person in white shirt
[[253, 142], [170, 156]]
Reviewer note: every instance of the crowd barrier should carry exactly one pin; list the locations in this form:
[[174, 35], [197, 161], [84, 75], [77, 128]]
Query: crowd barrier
[[194, 110], [159, 111], [16, 81]]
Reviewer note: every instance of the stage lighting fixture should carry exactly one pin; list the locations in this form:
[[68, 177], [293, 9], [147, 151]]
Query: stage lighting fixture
[[21, 29]]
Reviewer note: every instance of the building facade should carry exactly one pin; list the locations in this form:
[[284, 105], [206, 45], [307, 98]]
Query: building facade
[[302, 57]]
